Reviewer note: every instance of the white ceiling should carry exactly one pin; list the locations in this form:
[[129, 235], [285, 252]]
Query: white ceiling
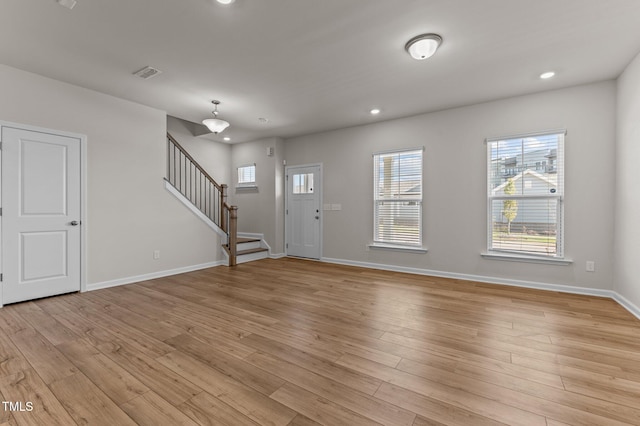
[[315, 65]]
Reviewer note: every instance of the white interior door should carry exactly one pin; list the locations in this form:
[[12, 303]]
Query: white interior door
[[40, 214], [303, 213]]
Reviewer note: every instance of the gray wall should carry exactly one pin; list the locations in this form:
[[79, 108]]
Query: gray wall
[[130, 214], [214, 157], [627, 206], [455, 209], [260, 210]]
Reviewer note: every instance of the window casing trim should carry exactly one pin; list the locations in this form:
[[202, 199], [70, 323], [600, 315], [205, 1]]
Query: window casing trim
[[562, 132], [521, 255], [247, 184], [377, 200], [396, 247], [398, 151]]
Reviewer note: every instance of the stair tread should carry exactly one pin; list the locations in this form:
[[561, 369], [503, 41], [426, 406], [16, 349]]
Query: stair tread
[[248, 240], [249, 251]]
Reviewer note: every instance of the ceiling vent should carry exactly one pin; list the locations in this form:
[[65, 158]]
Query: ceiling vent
[[147, 72]]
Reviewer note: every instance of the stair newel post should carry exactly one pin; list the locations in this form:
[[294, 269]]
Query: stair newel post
[[233, 234], [223, 202], [202, 192]]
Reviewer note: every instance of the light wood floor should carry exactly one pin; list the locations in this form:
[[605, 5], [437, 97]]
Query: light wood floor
[[293, 342]]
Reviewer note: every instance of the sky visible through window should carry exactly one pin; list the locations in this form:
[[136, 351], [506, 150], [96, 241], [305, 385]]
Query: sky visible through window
[[525, 189], [400, 174]]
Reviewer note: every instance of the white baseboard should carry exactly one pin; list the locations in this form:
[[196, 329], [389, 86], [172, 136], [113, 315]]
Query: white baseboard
[[626, 304], [153, 275], [263, 243], [494, 280], [245, 258], [251, 235]]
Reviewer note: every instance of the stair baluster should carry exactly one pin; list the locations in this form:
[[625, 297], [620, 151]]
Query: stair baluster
[[194, 183]]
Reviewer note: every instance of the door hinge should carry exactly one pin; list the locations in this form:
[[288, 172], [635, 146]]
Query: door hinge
[[0, 211], [287, 211], [0, 145], [286, 246], [0, 277]]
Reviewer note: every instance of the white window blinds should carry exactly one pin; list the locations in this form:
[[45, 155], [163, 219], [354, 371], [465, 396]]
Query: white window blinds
[[247, 175], [397, 184], [525, 194]]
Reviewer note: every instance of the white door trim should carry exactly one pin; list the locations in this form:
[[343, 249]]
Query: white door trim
[[286, 204], [83, 192]]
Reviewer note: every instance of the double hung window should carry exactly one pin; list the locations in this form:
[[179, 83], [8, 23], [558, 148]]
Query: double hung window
[[397, 193], [247, 175], [525, 194]]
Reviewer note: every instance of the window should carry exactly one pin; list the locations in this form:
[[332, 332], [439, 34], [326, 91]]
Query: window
[[303, 183], [247, 175], [525, 195], [397, 193]]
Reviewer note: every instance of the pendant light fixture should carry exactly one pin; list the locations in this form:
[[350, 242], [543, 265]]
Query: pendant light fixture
[[215, 124], [423, 46]]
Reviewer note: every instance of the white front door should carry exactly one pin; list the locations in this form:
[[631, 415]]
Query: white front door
[[40, 214], [303, 212]]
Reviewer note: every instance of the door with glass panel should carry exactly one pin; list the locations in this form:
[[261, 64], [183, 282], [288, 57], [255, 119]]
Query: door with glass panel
[[303, 218]]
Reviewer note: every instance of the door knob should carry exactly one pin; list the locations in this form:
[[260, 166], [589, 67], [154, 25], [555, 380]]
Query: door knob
[[74, 223], [317, 217]]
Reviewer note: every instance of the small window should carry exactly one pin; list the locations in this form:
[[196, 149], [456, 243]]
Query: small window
[[303, 183], [247, 175]]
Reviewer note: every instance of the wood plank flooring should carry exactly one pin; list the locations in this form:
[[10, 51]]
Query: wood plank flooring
[[294, 342]]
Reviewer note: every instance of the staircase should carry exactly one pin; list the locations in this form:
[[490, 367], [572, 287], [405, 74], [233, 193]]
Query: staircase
[[195, 188], [250, 248]]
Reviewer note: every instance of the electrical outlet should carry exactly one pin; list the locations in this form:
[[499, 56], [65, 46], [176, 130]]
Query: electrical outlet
[[156, 254], [591, 266]]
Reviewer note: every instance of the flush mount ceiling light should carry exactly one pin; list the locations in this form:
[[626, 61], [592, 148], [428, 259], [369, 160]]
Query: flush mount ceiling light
[[69, 4], [423, 46], [215, 124], [547, 75], [375, 111], [225, 1]]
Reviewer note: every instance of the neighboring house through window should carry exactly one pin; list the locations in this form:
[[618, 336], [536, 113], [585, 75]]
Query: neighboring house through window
[[397, 194], [525, 194]]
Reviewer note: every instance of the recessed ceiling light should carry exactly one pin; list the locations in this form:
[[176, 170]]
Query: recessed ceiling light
[[423, 46], [226, 139], [375, 111], [225, 1], [546, 75]]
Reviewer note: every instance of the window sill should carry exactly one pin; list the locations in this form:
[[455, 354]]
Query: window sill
[[382, 246], [247, 188], [512, 257]]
